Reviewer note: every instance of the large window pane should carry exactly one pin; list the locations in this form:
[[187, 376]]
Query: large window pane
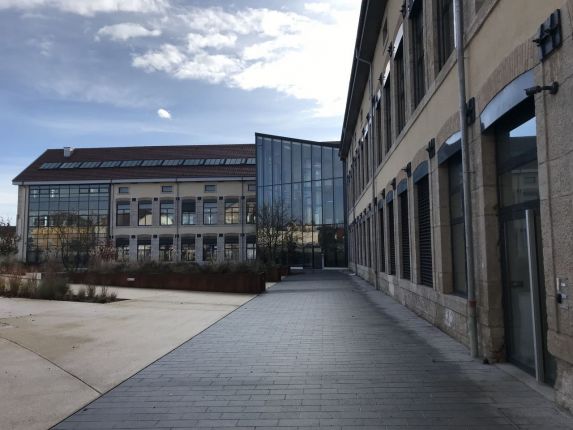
[[188, 212], [209, 248], [277, 168], [327, 202], [123, 211], [327, 162], [307, 203], [232, 211], [306, 162], [286, 199], [296, 162], [268, 162], [166, 250], [286, 161], [316, 202], [316, 162], [297, 202], [210, 212], [167, 212], [188, 248], [145, 216], [338, 201]]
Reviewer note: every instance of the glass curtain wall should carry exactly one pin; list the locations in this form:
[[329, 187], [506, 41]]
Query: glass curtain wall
[[64, 219], [304, 179]]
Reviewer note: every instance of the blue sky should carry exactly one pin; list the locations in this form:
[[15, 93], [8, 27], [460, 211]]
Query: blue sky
[[86, 73]]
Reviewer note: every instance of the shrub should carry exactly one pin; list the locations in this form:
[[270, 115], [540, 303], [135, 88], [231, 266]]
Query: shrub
[[81, 294], [102, 297], [113, 296], [90, 291], [14, 286], [27, 289], [2, 287], [53, 287]]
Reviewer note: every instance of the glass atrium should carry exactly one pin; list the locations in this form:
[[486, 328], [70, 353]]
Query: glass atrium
[[304, 179]]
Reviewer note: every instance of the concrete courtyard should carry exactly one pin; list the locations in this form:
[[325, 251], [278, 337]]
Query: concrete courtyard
[[57, 356], [322, 350]]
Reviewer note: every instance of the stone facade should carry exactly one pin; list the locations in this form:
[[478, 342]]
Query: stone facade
[[500, 51]]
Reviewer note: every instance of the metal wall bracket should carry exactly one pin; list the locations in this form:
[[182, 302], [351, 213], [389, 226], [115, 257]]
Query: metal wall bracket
[[550, 36], [471, 111], [431, 148]]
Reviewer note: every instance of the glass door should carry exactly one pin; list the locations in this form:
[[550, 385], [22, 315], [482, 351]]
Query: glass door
[[521, 250]]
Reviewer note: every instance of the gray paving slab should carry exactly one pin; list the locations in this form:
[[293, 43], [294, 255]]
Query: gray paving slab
[[321, 350]]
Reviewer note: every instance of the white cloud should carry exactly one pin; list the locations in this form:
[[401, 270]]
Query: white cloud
[[125, 31], [89, 7], [302, 57], [318, 7], [163, 114], [197, 42]]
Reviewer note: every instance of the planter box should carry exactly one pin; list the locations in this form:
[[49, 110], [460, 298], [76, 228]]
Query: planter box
[[273, 274], [244, 282]]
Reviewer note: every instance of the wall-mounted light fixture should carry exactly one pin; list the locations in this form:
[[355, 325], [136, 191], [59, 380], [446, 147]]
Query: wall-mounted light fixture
[[553, 88]]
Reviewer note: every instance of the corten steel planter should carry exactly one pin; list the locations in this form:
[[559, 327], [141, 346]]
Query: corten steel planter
[[241, 282], [273, 274]]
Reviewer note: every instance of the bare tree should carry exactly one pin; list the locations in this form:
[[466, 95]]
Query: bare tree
[[8, 238], [77, 239], [275, 232]]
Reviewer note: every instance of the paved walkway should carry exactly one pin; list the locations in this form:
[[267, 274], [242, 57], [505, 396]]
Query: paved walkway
[[320, 351]]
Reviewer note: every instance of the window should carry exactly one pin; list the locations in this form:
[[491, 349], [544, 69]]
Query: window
[[145, 216], [252, 187], [382, 242], [123, 190], [378, 132], [387, 114], [251, 211], [167, 212], [232, 211], [209, 248], [90, 164], [166, 250], [151, 163], [232, 248], [400, 90], [122, 216], [445, 31], [251, 247], [122, 249], [130, 163], [391, 239], [168, 163], [404, 236], [210, 212], [48, 166], [188, 248], [143, 249], [210, 188], [419, 74], [188, 214], [107, 164], [194, 162], [167, 188], [71, 165], [457, 232], [424, 232]]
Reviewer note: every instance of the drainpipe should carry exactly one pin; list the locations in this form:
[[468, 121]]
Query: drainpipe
[[371, 132], [459, 39]]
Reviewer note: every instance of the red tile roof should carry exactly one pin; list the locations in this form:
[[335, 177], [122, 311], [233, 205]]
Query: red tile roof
[[33, 173]]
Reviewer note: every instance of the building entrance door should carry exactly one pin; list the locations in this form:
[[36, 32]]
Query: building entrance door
[[521, 250]]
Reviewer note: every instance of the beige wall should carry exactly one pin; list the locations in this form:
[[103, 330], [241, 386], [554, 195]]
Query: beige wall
[[499, 48]]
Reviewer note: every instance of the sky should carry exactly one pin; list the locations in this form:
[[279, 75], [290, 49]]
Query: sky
[[96, 73]]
